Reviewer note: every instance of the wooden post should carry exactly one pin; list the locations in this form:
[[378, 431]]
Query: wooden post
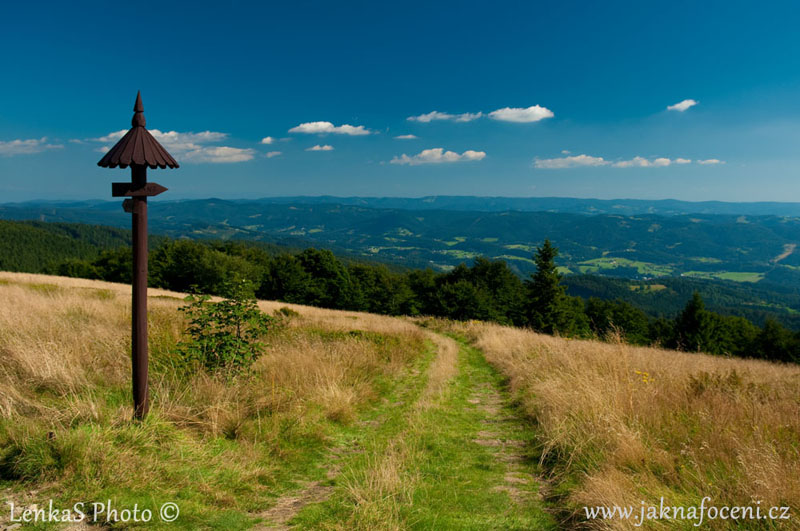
[[138, 149], [139, 351]]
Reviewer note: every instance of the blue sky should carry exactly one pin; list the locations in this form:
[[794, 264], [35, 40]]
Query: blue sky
[[530, 98]]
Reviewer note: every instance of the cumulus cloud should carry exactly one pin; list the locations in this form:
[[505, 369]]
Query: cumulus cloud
[[437, 116], [682, 105], [575, 161], [189, 146], [328, 127], [405, 137], [635, 162], [271, 154], [267, 140], [111, 137], [578, 161], [186, 142], [171, 139], [320, 148], [219, 154], [530, 114], [26, 147], [438, 155]]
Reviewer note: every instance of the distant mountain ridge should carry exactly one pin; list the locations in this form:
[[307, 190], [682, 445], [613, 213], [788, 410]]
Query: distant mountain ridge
[[738, 247], [566, 205]]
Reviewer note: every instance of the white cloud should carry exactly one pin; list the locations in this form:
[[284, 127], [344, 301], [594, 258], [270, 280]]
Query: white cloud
[[521, 115], [711, 161], [271, 154], [26, 147], [186, 142], [189, 147], [267, 140], [111, 137], [405, 137], [565, 152], [219, 154], [438, 155], [575, 161], [320, 148], [507, 114], [328, 127], [682, 105], [635, 162], [172, 140], [578, 161], [436, 115]]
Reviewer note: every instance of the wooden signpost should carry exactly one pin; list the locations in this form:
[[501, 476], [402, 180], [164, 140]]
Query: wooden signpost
[[139, 150]]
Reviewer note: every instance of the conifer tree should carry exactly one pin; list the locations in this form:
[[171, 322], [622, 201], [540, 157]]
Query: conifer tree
[[694, 327], [546, 295]]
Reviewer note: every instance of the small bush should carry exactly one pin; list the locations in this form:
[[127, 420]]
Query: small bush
[[224, 334], [285, 311]]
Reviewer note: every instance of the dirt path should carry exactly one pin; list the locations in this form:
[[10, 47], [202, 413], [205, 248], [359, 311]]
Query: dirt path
[[452, 454], [435, 377], [788, 249]]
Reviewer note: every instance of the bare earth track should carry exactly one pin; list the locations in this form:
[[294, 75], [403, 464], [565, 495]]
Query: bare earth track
[[451, 455]]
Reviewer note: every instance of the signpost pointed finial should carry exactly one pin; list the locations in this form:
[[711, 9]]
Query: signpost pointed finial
[[138, 112]]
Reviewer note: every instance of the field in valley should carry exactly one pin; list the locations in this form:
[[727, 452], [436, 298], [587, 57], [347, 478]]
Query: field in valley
[[358, 421]]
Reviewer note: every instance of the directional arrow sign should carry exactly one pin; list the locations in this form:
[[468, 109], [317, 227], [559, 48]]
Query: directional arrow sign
[[127, 190]]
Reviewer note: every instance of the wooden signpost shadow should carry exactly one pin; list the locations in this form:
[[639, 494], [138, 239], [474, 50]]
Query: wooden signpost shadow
[[139, 150]]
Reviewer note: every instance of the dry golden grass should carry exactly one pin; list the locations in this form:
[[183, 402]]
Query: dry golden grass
[[621, 424], [64, 388], [69, 335], [379, 488]]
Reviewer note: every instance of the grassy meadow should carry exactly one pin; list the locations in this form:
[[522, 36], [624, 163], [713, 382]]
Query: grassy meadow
[[618, 424], [356, 421], [221, 449]]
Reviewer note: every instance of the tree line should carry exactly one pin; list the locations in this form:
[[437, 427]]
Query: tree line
[[485, 290]]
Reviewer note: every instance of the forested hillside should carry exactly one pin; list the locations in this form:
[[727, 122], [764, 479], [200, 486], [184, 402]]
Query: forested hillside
[[741, 248], [664, 297], [38, 246], [486, 289]]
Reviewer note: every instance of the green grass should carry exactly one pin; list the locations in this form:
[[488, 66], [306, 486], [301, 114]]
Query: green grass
[[455, 241], [735, 276], [447, 479], [213, 486], [521, 247], [597, 265], [219, 482], [378, 249], [457, 253], [512, 257], [47, 289], [706, 260], [647, 287]]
